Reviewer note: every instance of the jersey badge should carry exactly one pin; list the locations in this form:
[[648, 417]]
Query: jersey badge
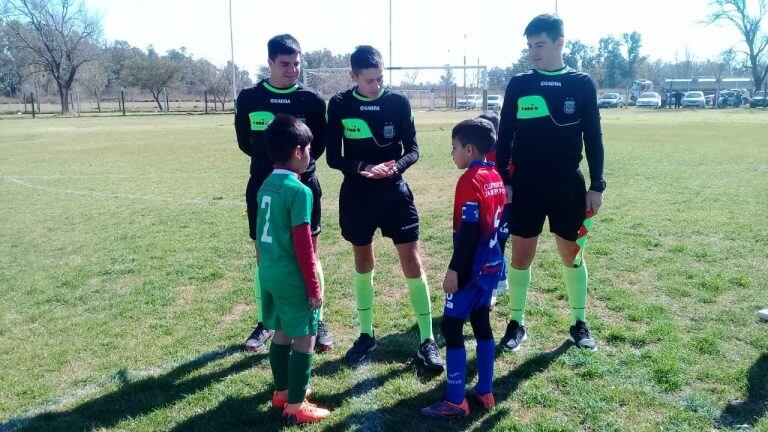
[[389, 131], [569, 107]]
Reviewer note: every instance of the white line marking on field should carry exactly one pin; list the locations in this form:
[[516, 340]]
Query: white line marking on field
[[198, 201], [365, 400], [61, 402]]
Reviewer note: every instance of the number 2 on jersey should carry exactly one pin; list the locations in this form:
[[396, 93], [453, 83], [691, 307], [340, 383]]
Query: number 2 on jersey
[[266, 202]]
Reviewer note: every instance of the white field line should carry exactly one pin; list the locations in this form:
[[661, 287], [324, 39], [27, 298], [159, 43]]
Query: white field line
[[198, 201], [365, 401], [62, 401]]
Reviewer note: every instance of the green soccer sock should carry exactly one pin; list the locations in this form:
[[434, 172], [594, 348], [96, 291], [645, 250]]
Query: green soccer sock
[[364, 299], [418, 292], [257, 295], [518, 281], [321, 279], [576, 282], [299, 370], [279, 356]]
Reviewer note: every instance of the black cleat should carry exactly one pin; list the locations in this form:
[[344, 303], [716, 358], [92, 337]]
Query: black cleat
[[429, 354], [360, 350], [258, 338], [513, 337], [324, 340], [580, 336]]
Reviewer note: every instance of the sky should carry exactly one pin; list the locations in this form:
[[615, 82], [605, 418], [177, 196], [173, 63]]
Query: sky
[[424, 32]]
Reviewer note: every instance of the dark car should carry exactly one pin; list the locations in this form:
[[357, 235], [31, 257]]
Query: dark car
[[758, 100], [612, 100]]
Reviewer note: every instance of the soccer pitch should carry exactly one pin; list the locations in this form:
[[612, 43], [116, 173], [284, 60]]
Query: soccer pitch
[[125, 274]]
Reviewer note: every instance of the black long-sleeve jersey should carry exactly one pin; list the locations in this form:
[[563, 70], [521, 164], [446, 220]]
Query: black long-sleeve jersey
[[257, 106], [364, 131], [546, 121]]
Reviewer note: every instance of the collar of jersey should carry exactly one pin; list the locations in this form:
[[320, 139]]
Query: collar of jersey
[[279, 90], [560, 71], [479, 163], [282, 169], [366, 99]]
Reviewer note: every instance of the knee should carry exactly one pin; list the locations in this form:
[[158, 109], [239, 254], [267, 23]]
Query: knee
[[452, 332], [481, 324]]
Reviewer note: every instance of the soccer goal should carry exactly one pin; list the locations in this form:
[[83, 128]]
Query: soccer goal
[[427, 87]]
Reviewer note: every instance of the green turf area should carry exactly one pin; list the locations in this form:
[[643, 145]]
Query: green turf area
[[125, 274]]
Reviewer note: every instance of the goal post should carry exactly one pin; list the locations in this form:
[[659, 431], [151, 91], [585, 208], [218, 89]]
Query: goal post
[[432, 92]]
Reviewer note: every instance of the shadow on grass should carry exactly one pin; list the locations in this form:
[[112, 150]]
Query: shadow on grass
[[136, 398], [750, 410]]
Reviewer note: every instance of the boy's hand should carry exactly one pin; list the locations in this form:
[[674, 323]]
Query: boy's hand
[[508, 190], [315, 303], [450, 282]]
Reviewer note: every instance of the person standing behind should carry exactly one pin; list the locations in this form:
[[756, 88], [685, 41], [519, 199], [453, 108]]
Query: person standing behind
[[549, 116]]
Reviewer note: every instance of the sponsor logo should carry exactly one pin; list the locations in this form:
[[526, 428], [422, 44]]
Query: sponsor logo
[[449, 305], [569, 107], [551, 84], [413, 225], [370, 108], [352, 128], [280, 101], [528, 108], [389, 131]]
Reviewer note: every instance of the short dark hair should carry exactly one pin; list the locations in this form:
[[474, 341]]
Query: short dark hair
[[283, 44], [549, 24], [283, 135], [477, 132], [365, 57], [492, 117]]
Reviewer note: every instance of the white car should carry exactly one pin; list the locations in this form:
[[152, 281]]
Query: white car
[[495, 102], [470, 102], [694, 99], [649, 100]]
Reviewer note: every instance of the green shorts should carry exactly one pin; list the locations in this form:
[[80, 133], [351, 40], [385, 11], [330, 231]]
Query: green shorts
[[286, 308]]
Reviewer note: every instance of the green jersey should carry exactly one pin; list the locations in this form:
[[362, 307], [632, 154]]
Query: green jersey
[[284, 202]]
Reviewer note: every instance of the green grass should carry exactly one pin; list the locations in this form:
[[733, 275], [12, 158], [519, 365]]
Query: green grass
[[125, 274]]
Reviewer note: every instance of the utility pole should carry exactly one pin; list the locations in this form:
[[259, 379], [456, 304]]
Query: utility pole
[[232, 54], [390, 42]]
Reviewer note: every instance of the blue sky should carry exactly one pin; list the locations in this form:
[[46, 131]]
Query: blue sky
[[425, 32]]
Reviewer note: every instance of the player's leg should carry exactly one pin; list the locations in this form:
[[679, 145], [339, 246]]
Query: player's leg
[[324, 339], [526, 220], [260, 335], [566, 219], [485, 350]]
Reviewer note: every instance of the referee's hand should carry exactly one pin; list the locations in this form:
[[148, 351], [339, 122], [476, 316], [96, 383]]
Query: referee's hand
[[594, 201], [315, 303]]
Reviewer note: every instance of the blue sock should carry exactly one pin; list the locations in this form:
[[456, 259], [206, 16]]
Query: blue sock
[[486, 351], [456, 362]]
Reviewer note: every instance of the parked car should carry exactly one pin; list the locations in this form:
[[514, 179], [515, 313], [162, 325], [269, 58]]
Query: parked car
[[495, 102], [728, 98], [472, 102], [758, 100], [709, 98], [649, 100], [611, 100], [694, 99]]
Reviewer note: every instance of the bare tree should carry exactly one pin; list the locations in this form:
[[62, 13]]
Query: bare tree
[[59, 36], [151, 72], [93, 76], [749, 25]]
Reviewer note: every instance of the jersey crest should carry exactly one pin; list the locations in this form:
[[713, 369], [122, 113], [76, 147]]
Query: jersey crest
[[389, 131], [569, 107]]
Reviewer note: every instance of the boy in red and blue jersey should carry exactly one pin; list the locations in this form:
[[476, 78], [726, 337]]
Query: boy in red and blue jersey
[[475, 268]]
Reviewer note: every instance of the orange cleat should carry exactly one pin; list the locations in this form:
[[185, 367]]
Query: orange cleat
[[280, 403], [307, 412], [485, 400]]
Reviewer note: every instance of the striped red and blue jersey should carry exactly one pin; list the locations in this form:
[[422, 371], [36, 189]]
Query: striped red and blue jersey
[[480, 198]]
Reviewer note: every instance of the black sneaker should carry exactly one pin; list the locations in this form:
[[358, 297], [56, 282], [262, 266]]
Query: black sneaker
[[360, 349], [324, 340], [429, 354], [258, 338], [513, 337], [579, 335]]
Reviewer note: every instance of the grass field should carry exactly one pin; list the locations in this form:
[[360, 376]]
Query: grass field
[[125, 274]]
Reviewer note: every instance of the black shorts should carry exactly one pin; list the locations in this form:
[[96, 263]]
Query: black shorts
[[252, 191], [389, 206], [561, 197]]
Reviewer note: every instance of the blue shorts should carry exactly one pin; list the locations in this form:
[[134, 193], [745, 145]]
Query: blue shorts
[[463, 302]]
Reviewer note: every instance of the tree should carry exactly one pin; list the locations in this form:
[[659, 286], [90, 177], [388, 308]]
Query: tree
[[93, 76], [325, 59], [59, 37], [633, 42], [11, 65], [579, 55], [152, 72], [497, 78], [447, 79], [750, 26], [612, 59]]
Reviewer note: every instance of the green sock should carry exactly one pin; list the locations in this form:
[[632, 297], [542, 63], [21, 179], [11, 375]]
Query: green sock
[[321, 279], [418, 292], [257, 295], [299, 370], [576, 282], [364, 299], [519, 281], [279, 355]]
